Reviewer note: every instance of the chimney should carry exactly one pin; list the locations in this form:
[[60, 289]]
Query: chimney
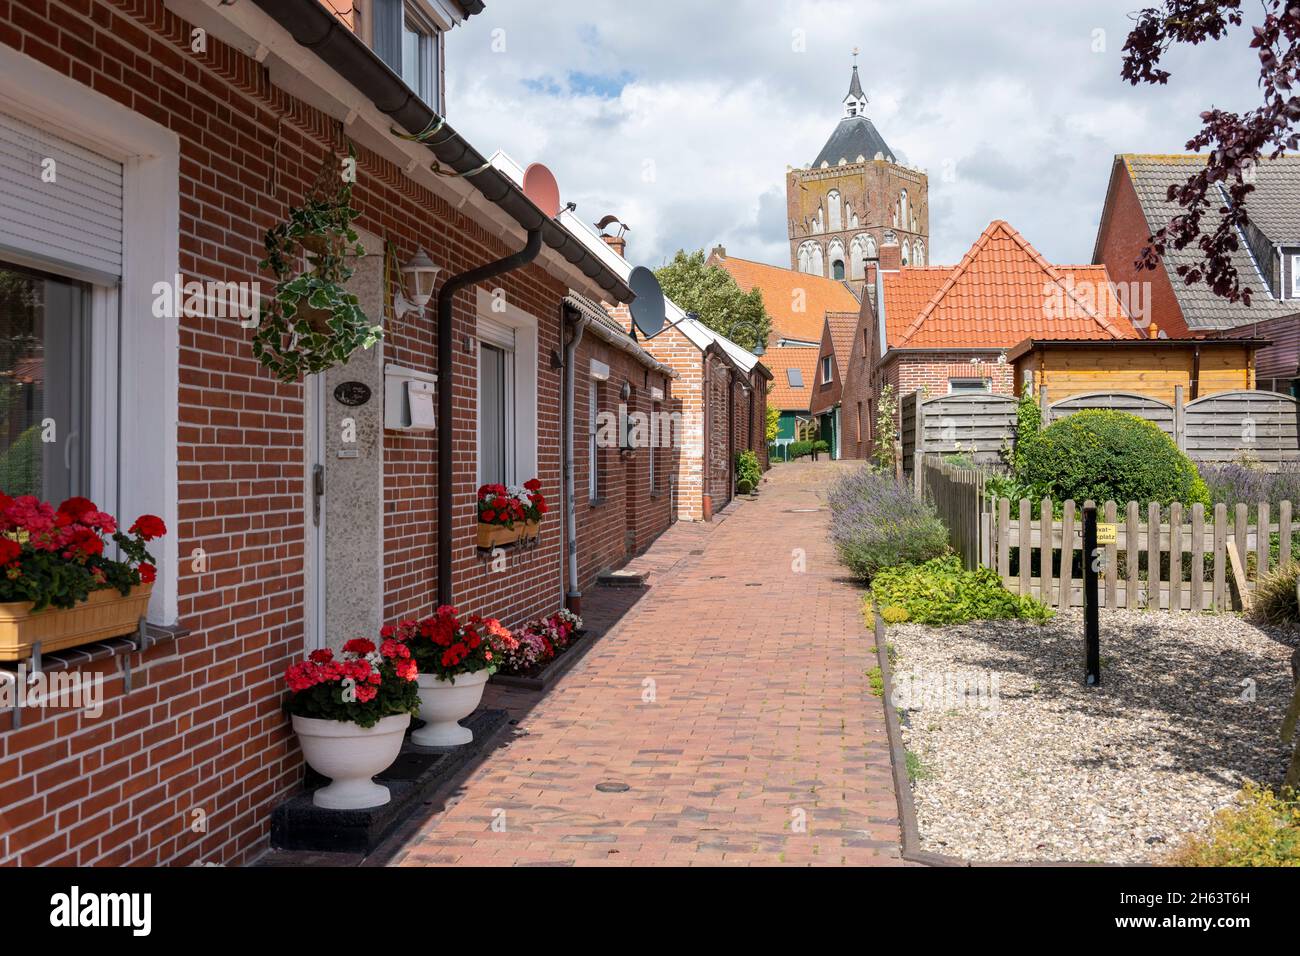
[[617, 243], [719, 252], [891, 258]]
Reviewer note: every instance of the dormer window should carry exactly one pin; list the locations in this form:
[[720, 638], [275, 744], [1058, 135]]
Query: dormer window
[[409, 41]]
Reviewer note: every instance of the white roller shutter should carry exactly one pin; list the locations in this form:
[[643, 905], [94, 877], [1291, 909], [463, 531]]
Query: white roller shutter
[[71, 226]]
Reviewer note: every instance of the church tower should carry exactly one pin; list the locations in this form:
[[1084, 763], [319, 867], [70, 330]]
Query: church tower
[[856, 201]]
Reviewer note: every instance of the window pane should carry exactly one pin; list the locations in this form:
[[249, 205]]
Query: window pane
[[593, 463], [415, 59], [44, 385], [492, 415]]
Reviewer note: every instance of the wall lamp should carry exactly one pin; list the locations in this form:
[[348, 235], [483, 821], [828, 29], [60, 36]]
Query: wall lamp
[[418, 278]]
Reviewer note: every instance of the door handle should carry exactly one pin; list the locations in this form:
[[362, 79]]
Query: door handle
[[317, 492]]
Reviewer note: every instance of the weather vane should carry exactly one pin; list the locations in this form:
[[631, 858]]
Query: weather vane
[[856, 51]]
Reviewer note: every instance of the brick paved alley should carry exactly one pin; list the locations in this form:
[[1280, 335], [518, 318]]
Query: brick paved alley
[[762, 743]]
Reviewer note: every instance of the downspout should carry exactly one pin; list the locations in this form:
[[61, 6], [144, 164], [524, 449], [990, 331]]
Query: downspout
[[446, 297], [573, 599]]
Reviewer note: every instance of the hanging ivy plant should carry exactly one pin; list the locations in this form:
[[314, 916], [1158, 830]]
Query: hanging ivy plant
[[312, 322]]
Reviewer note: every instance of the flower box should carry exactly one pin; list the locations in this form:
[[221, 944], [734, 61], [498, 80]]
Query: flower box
[[105, 613], [531, 530], [498, 535]]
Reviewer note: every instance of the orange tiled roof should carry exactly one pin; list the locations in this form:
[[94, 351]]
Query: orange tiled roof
[[799, 357], [1001, 293], [844, 325], [778, 287]]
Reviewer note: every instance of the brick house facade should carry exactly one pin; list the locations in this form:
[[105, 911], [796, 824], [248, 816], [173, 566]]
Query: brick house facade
[[720, 391], [212, 152], [941, 329]]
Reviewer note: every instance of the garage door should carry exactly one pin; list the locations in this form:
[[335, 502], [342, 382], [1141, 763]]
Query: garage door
[[71, 224]]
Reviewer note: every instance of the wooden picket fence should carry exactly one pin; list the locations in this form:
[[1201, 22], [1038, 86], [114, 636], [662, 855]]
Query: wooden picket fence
[[1237, 551]]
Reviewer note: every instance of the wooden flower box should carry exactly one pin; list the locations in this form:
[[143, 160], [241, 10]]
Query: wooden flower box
[[498, 535], [105, 613], [531, 530]]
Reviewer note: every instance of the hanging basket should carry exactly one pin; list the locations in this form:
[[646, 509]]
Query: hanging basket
[[105, 613]]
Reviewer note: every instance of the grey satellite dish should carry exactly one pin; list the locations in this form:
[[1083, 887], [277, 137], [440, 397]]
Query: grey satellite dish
[[647, 306]]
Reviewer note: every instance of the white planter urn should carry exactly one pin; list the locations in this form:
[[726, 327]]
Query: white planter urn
[[350, 755], [442, 704]]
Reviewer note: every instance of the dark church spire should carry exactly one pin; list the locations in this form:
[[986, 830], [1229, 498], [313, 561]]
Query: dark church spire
[[855, 104]]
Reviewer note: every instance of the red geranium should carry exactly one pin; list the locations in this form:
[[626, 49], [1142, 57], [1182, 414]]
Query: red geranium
[[361, 686], [148, 527], [446, 643], [58, 556]]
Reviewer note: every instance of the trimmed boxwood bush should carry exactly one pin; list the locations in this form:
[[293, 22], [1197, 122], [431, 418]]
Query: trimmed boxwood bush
[[1107, 455], [876, 522]]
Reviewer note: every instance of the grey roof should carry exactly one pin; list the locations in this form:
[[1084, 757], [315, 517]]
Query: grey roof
[[855, 136], [1202, 309], [1274, 206]]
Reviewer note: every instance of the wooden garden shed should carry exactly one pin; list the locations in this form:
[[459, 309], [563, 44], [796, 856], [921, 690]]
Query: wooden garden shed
[[1152, 367]]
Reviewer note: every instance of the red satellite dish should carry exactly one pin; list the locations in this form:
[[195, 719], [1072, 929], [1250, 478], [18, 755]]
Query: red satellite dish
[[540, 186]]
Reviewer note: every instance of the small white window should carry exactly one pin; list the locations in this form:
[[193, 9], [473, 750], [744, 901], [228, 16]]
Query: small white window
[[420, 56], [1295, 277], [826, 369], [960, 386], [653, 449]]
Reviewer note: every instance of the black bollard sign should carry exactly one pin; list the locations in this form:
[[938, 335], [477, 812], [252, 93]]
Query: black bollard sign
[[1093, 560]]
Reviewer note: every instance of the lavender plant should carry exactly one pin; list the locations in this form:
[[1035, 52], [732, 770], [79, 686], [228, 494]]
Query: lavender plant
[[876, 523]]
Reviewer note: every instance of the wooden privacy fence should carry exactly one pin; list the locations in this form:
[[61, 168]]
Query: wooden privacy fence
[[958, 496], [1148, 562], [1216, 428]]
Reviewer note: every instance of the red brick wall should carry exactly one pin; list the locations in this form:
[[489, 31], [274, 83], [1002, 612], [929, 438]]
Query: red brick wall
[[202, 729], [857, 400], [629, 515], [1123, 235]]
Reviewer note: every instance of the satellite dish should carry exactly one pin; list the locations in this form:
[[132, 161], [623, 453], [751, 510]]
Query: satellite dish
[[647, 306], [540, 186]]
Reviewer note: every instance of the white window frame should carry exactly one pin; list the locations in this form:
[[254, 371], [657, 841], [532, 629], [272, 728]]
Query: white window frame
[[828, 370], [134, 416], [1295, 277], [506, 326]]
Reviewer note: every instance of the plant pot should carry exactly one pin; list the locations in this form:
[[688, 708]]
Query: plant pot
[[318, 319], [497, 535], [442, 704], [350, 755], [105, 613], [330, 243]]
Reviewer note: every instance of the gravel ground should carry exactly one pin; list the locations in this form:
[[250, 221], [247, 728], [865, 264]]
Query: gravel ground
[[1028, 764]]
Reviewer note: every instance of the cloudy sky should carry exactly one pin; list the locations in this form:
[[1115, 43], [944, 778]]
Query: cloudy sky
[[681, 116]]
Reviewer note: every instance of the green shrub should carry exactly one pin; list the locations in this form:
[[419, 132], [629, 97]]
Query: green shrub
[[943, 592], [748, 470], [1274, 599], [744, 487], [1107, 455], [877, 522], [1262, 829]]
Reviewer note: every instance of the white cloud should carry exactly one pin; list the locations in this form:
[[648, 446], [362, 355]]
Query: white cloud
[[680, 117]]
